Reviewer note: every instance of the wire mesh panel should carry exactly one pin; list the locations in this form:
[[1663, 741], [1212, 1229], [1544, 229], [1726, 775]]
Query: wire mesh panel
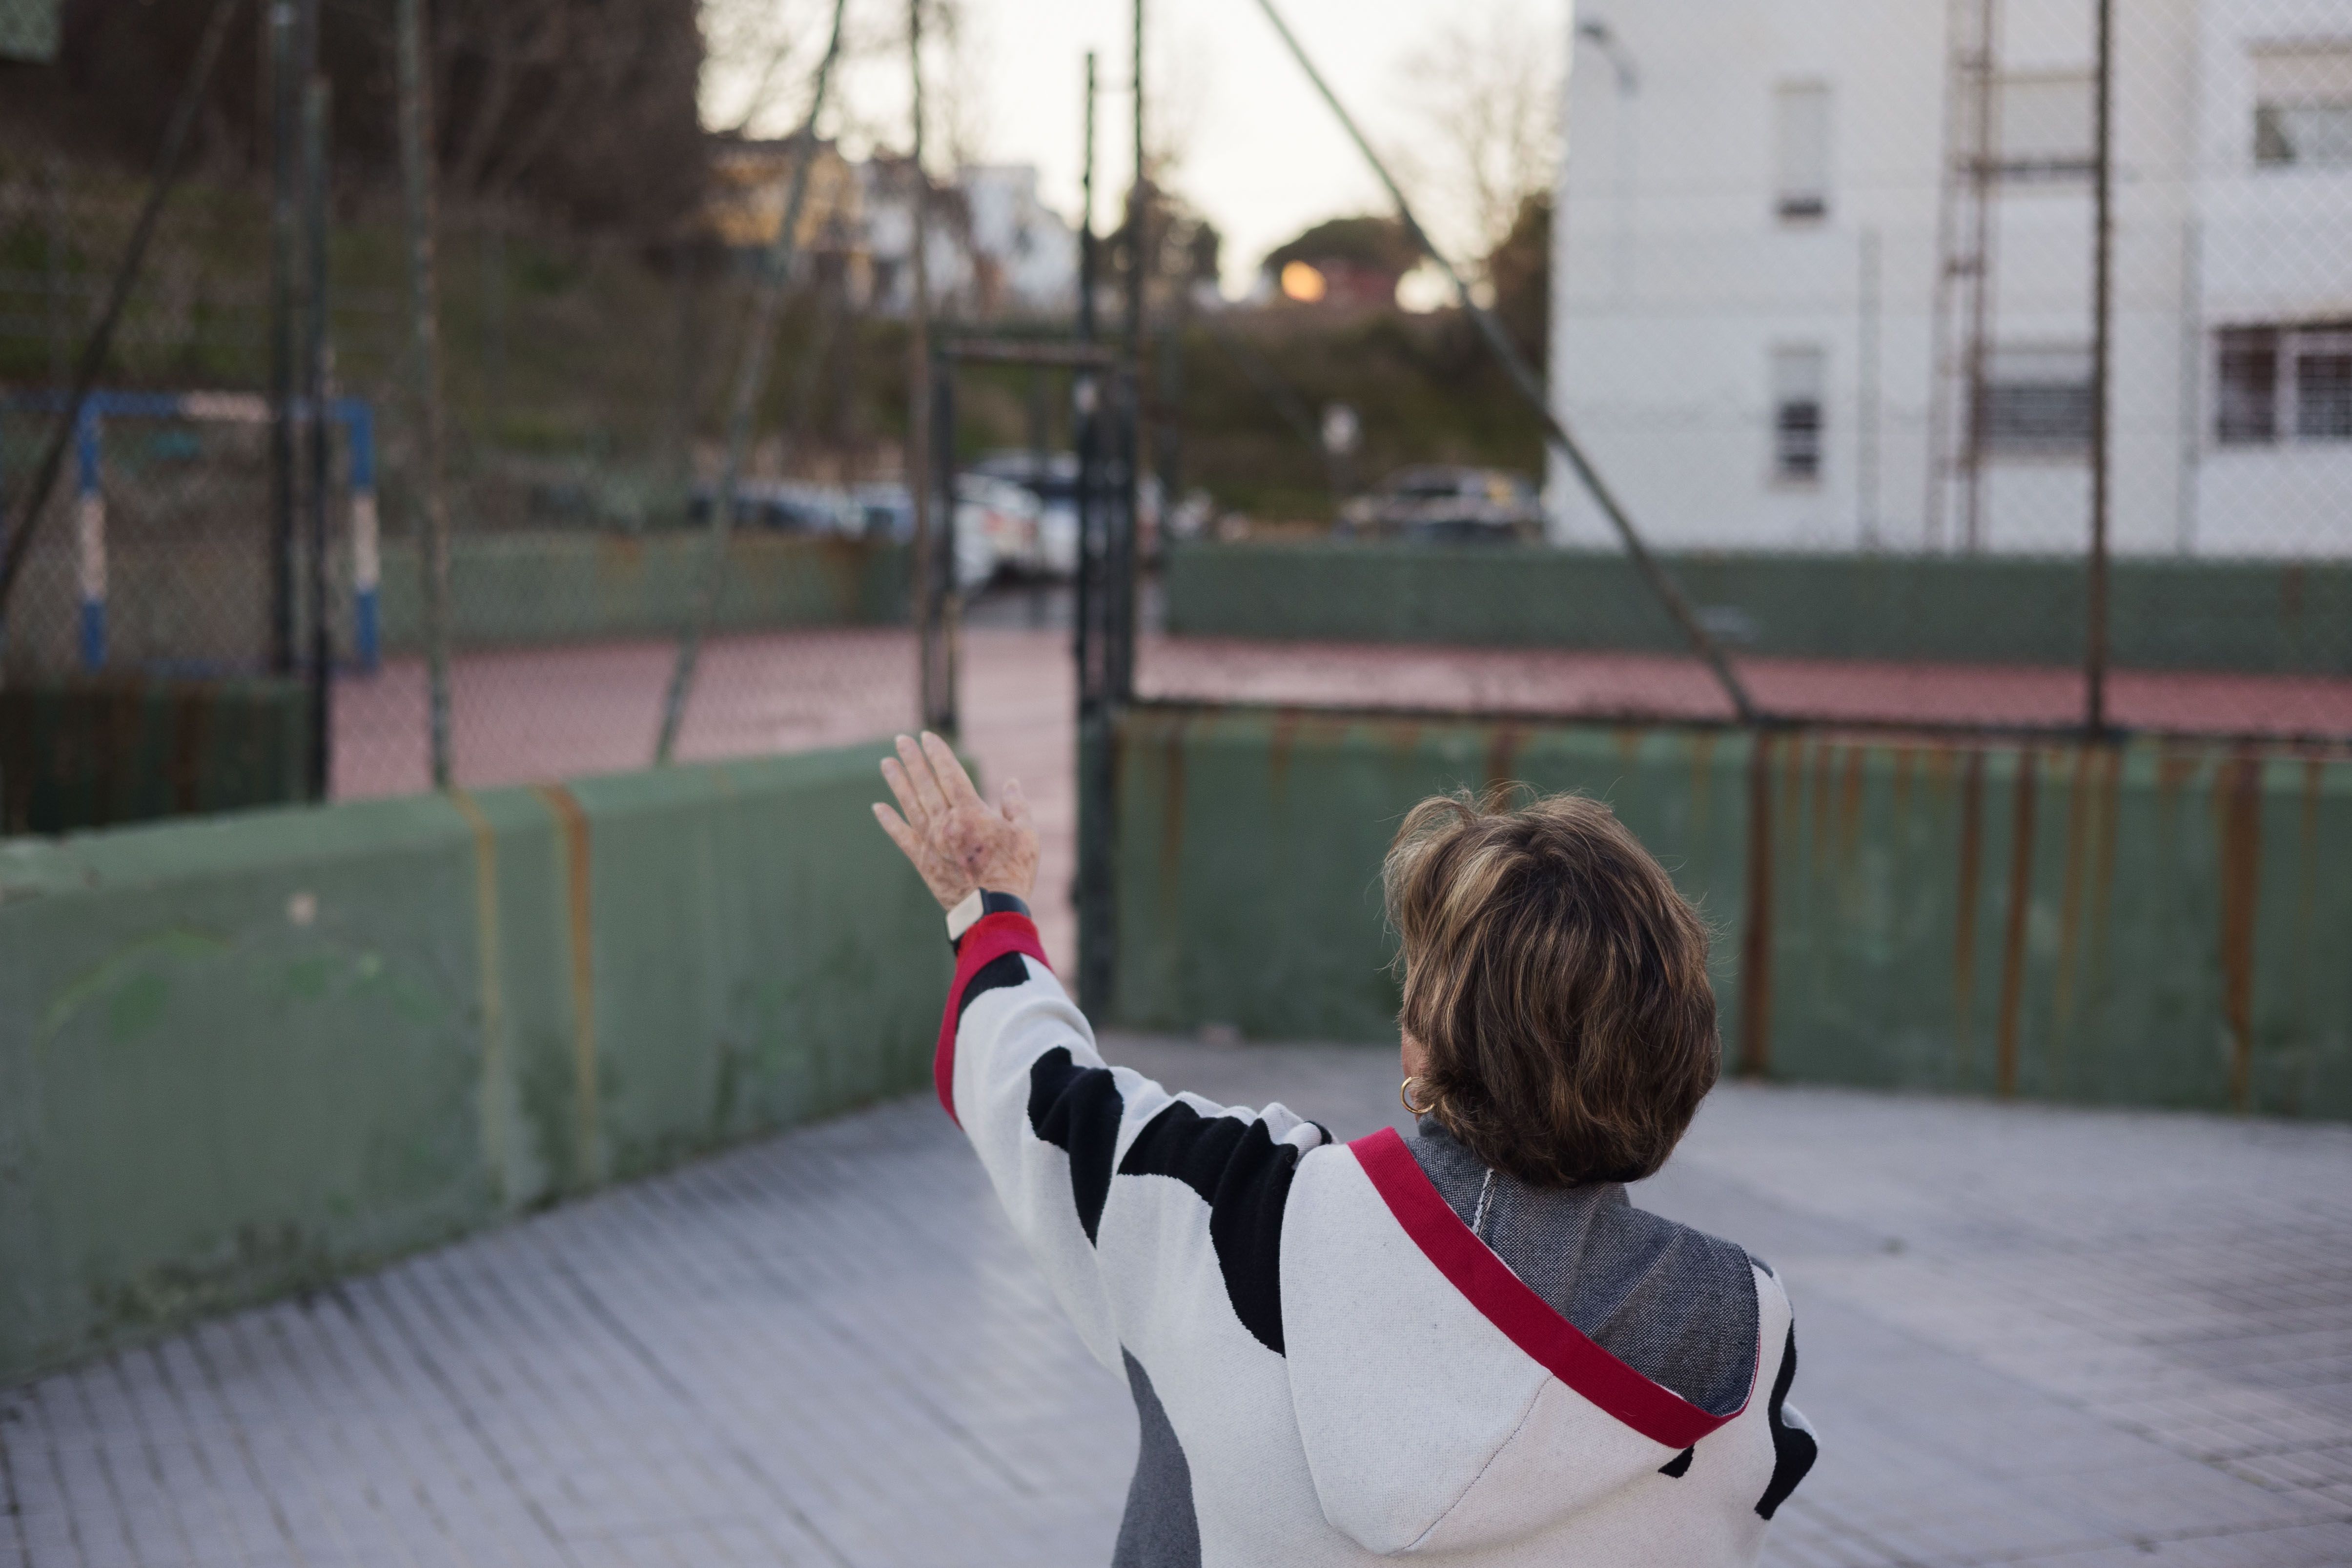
[[583, 375], [1826, 313]]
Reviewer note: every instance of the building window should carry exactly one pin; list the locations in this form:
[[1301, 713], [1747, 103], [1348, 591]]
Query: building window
[[2036, 400], [1801, 132], [1800, 377], [2322, 392], [2284, 384], [2302, 107], [2048, 125], [2247, 411]]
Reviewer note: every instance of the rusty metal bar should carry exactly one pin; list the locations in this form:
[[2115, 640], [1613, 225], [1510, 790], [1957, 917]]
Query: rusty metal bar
[[750, 379], [1523, 380]]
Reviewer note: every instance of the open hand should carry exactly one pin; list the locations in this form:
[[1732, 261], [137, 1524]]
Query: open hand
[[958, 841]]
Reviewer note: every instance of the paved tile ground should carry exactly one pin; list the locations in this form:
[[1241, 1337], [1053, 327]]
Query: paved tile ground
[[2030, 1336]]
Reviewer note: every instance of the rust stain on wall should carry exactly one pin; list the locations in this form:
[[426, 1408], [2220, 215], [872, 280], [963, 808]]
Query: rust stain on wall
[[1278, 746], [2238, 802], [1788, 817], [1849, 812], [2080, 802], [489, 956], [2020, 901], [571, 834], [1702, 758], [1824, 768], [1756, 933], [1172, 808], [1503, 754], [2102, 865], [1964, 935], [1906, 760]]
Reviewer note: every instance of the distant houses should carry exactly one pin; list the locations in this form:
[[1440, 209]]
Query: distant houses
[[994, 248]]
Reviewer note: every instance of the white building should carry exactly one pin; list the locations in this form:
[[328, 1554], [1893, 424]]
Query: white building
[[993, 250], [1765, 326]]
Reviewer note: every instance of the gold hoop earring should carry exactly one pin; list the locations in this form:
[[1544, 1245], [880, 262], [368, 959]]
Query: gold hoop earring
[[1404, 1095]]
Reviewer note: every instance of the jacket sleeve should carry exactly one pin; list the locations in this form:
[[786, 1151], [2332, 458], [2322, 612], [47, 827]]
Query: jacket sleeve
[[1150, 1212]]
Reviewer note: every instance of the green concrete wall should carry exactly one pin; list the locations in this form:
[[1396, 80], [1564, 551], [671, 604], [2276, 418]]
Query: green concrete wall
[[244, 1055], [93, 752], [2145, 925], [2165, 614], [554, 586]]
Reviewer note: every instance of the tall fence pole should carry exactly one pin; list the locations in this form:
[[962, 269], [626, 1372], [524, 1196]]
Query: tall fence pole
[[1095, 910], [1530, 390], [750, 379], [317, 102], [424, 348], [31, 506], [1126, 536], [286, 74], [934, 697], [2095, 617]]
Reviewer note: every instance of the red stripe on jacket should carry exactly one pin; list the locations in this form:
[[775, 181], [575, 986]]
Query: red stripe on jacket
[[1655, 1411], [991, 936]]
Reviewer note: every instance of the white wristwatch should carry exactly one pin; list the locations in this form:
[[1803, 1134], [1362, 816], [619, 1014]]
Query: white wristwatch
[[977, 903]]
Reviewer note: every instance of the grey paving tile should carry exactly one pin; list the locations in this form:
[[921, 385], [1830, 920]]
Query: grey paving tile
[[2029, 1336]]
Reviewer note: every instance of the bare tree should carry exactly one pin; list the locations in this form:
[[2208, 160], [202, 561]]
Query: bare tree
[[759, 55], [1485, 85]]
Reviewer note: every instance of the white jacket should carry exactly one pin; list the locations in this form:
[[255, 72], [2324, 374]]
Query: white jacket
[[1330, 1366]]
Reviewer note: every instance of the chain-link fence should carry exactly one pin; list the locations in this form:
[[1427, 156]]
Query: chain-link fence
[[1831, 314], [586, 378]]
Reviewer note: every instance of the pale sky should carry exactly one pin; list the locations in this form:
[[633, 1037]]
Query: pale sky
[[1261, 155]]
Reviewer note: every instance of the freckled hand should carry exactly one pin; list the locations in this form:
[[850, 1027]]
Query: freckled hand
[[957, 841]]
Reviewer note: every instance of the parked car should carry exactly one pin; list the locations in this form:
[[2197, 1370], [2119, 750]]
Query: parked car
[[792, 505], [885, 511], [1441, 505], [1053, 481], [1009, 517]]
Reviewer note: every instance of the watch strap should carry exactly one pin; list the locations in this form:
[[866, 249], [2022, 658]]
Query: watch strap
[[977, 903]]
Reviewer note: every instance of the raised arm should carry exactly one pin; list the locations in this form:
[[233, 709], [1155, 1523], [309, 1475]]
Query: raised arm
[[1156, 1216]]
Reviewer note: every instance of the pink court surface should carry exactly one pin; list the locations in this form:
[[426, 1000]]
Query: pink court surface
[[529, 716]]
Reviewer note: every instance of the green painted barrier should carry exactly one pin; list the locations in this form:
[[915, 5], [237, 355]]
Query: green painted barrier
[[94, 752], [2165, 614], [2146, 924], [242, 1056], [551, 586]]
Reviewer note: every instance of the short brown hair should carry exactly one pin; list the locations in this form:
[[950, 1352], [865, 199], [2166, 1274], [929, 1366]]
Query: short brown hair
[[1556, 981]]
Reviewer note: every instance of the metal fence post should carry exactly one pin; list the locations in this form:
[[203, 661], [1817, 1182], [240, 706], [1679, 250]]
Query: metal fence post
[[317, 104], [285, 78], [942, 612], [424, 329], [89, 540], [2094, 651]]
